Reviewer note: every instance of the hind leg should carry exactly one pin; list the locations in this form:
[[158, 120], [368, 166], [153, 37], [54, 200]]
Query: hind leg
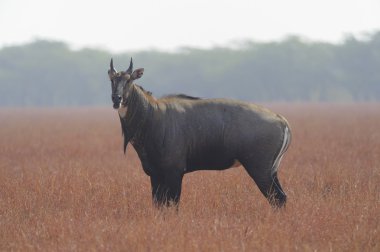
[[268, 183], [278, 192]]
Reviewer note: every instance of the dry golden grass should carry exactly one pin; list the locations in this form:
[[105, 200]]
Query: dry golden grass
[[66, 185]]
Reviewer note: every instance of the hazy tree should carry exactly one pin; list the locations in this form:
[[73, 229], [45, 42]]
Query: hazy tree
[[49, 73]]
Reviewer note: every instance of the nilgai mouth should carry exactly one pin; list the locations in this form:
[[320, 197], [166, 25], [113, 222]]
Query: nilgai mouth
[[117, 105]]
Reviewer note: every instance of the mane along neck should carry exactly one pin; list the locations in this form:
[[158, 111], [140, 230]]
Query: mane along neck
[[135, 114]]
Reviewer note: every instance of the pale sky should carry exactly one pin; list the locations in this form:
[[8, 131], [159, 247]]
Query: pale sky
[[124, 25]]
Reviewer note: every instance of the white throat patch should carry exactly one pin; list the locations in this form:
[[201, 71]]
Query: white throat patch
[[123, 111]]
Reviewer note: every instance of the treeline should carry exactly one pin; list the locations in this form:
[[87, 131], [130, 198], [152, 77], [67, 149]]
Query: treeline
[[46, 73]]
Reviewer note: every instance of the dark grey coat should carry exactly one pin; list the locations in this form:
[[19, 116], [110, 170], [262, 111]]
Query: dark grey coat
[[178, 134]]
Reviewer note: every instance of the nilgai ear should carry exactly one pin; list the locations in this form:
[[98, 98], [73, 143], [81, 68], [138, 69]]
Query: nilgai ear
[[137, 73]]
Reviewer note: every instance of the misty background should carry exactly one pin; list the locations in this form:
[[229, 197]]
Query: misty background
[[50, 73], [57, 52]]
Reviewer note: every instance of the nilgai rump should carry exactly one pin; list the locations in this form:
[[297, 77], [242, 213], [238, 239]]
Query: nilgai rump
[[177, 134]]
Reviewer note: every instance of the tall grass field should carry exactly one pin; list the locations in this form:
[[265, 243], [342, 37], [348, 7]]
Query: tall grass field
[[66, 185]]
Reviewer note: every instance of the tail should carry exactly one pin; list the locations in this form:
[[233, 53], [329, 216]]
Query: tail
[[285, 145]]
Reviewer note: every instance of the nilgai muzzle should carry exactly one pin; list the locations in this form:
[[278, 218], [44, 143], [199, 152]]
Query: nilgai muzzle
[[178, 134]]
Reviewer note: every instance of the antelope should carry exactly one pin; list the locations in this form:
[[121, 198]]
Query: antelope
[[178, 134]]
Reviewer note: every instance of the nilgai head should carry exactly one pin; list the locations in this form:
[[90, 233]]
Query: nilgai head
[[121, 83]]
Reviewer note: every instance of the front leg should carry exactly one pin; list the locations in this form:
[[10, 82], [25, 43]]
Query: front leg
[[166, 189]]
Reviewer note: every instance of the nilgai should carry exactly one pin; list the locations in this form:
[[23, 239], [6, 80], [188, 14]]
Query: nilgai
[[178, 134]]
